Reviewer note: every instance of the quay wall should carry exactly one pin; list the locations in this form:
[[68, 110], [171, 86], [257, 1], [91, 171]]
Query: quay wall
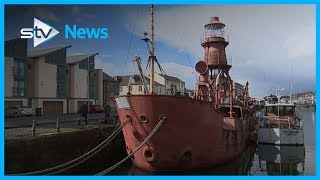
[[45, 151]]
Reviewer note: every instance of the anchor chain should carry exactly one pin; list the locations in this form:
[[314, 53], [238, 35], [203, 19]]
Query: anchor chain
[[84, 157], [106, 171]]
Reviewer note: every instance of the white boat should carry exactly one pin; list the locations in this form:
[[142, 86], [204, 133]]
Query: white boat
[[280, 123]]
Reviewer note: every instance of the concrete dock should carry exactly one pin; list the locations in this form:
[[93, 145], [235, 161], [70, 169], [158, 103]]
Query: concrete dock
[[25, 152]]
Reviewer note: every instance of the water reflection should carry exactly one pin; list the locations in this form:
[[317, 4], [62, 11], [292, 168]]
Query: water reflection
[[281, 160], [239, 166], [260, 159]]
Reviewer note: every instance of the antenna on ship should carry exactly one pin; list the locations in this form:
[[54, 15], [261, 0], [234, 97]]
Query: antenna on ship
[[152, 53], [278, 96], [152, 57], [291, 83], [278, 91]]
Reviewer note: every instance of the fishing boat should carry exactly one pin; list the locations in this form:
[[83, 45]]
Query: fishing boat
[[280, 123], [180, 132]]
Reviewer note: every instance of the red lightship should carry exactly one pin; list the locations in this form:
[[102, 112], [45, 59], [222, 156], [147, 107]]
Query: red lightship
[[199, 131]]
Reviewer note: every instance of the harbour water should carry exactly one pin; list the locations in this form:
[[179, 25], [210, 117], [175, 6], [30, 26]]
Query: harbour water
[[260, 160]]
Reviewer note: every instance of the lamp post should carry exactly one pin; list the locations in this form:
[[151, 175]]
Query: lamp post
[[88, 82]]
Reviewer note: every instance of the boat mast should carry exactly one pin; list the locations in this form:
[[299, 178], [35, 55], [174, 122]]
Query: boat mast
[[152, 53]]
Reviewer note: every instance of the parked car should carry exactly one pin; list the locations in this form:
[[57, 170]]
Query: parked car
[[26, 111], [13, 111], [95, 109]]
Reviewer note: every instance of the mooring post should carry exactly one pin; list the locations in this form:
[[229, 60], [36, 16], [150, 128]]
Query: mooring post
[[33, 128], [58, 125], [81, 121]]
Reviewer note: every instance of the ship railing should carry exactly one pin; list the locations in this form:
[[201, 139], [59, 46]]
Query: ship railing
[[275, 120], [298, 113], [206, 37]]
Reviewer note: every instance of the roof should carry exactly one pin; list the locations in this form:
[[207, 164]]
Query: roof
[[14, 39], [77, 58], [124, 80], [170, 78], [42, 52], [108, 78]]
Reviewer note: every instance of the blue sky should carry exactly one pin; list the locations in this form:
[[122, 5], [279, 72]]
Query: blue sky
[[265, 40]]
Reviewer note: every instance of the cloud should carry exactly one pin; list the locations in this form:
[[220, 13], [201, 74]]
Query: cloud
[[81, 13], [184, 73], [46, 13], [301, 42], [104, 63], [75, 10], [260, 42]]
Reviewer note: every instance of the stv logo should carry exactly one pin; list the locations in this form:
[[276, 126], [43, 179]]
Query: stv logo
[[41, 32]]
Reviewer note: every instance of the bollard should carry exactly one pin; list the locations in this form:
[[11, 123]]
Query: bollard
[[98, 120], [81, 122], [58, 125], [33, 128]]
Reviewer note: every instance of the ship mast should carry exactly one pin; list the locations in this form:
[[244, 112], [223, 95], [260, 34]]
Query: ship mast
[[152, 53]]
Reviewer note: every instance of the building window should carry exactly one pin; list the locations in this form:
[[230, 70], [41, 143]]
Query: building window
[[140, 88], [61, 81], [130, 88], [120, 89], [84, 63], [92, 92], [19, 74], [92, 78], [18, 88], [61, 90], [19, 68], [61, 73], [57, 57]]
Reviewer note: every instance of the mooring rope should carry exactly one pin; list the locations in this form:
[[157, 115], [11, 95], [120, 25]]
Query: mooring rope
[[162, 119], [84, 157]]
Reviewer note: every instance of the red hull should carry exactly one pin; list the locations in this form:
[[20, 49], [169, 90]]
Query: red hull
[[194, 135]]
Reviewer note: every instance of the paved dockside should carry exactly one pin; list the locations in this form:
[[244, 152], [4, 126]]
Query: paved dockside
[[21, 128]]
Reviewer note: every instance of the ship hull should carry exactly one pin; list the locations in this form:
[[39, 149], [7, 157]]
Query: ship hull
[[280, 136], [194, 135]]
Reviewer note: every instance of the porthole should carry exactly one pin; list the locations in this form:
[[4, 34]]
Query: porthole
[[143, 118]]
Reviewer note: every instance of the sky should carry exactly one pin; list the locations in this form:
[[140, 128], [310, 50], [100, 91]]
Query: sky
[[268, 44]]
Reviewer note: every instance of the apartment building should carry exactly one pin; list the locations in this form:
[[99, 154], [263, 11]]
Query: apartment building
[[134, 85], [84, 82], [16, 72], [47, 80], [172, 84], [110, 90]]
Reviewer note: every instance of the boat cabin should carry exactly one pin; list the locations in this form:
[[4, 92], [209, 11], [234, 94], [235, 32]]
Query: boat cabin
[[279, 110], [280, 115]]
